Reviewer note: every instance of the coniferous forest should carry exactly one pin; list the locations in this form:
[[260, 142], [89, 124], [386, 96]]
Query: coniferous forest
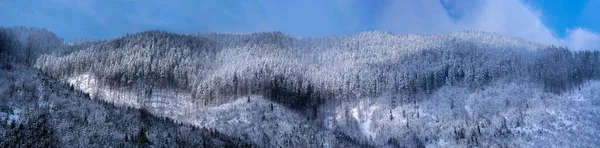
[[270, 89]]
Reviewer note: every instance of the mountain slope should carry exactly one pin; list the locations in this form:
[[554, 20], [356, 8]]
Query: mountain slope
[[370, 89], [39, 111]]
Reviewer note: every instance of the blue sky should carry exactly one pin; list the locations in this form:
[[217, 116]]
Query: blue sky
[[572, 23]]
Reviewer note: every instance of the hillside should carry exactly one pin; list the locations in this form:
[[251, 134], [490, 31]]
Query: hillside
[[39, 111], [369, 89]]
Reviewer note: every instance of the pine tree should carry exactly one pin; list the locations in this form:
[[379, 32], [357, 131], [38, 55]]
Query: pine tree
[[29, 51], [141, 138], [3, 123], [391, 115]]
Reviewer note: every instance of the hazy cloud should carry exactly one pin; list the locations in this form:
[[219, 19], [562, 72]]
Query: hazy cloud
[[511, 17], [508, 17], [581, 39]]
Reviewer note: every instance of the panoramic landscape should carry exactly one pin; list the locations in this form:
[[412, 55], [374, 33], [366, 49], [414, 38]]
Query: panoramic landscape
[[398, 86]]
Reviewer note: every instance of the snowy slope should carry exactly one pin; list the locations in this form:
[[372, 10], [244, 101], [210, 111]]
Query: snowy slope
[[372, 89]]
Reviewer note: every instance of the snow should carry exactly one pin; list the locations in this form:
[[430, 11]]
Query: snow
[[85, 82], [11, 117], [364, 117]]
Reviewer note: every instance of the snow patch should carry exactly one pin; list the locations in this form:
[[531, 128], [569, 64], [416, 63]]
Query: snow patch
[[84, 82], [11, 117], [364, 119]]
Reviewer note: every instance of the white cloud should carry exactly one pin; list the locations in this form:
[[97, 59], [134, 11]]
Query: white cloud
[[581, 39], [512, 18], [508, 17]]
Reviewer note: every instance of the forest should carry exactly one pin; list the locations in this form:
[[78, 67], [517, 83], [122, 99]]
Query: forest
[[303, 73], [336, 87]]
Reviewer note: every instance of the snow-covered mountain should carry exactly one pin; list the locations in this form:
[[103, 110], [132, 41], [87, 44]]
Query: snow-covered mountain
[[37, 110], [372, 89]]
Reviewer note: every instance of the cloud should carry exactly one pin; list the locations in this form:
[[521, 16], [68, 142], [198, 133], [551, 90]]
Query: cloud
[[509, 17], [513, 18], [582, 39]]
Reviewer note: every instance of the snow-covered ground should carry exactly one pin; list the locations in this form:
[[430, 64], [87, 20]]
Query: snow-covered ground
[[502, 114], [363, 116]]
